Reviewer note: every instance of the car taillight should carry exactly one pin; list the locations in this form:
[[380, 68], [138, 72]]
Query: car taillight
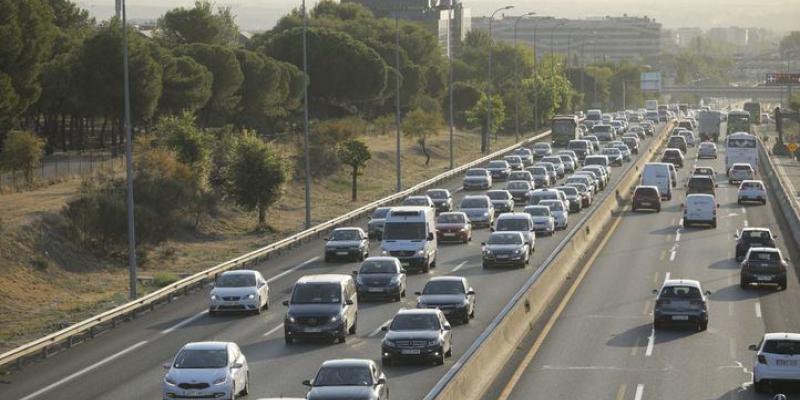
[[762, 359], [662, 302]]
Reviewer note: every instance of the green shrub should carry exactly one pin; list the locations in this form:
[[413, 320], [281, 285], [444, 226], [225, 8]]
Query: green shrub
[[162, 279]]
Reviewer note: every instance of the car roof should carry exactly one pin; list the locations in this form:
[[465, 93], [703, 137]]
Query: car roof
[[348, 362], [461, 213], [438, 190], [646, 187], [782, 336], [324, 278], [381, 258], [507, 233], [447, 278], [765, 249], [206, 346], [753, 181], [240, 272], [755, 228], [513, 215], [476, 196], [417, 311], [348, 228], [682, 282]]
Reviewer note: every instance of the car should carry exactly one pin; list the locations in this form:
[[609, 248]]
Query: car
[[594, 141], [500, 169], [505, 248], [541, 178], [601, 160], [410, 235], [376, 221], [441, 198], [572, 154], [585, 191], [627, 154], [704, 171], [700, 209], [574, 201], [477, 179], [551, 170], [502, 201], [559, 210], [604, 133], [515, 162], [452, 295], [581, 148], [213, 370], [381, 277], [520, 190], [348, 243], [752, 236], [453, 226], [700, 184], [543, 221], [321, 306], [763, 265], [632, 143], [619, 127], [521, 176], [677, 142], [752, 190], [240, 290], [740, 172], [585, 178], [525, 154], [601, 173], [646, 198], [673, 173], [639, 131], [517, 222], [614, 155], [681, 301], [707, 150], [418, 201], [539, 195], [348, 378], [479, 210], [673, 156], [417, 334], [557, 164], [776, 360], [687, 134], [541, 149], [569, 163]]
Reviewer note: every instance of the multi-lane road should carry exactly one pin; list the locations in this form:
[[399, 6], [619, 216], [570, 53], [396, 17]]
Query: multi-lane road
[[126, 363], [602, 345]]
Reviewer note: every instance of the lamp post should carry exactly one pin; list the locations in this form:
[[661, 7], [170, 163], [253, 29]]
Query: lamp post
[[397, 98], [450, 78], [553, 61], [536, 96], [485, 138], [516, 76], [128, 158], [306, 157]]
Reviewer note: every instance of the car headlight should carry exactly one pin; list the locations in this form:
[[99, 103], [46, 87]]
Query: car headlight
[[487, 252], [251, 296], [221, 380], [388, 342], [384, 253], [291, 319], [433, 342], [395, 279], [213, 297], [169, 380], [517, 251], [421, 252], [486, 214], [334, 318]]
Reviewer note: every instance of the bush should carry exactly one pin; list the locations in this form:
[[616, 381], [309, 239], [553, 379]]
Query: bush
[[162, 279], [40, 263], [324, 139], [22, 151], [257, 174]]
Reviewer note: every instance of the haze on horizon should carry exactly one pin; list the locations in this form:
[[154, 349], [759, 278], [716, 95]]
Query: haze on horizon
[[777, 15]]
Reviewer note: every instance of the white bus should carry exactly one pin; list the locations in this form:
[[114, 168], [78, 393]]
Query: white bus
[[741, 147]]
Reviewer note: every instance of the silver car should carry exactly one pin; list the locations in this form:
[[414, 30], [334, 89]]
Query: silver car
[[543, 221], [515, 162], [569, 163], [419, 201], [560, 212], [376, 222], [499, 169], [350, 243], [541, 150], [525, 154], [477, 179], [681, 301], [557, 164], [242, 290], [502, 201], [479, 210], [520, 190], [541, 179], [505, 248], [707, 150], [210, 370], [518, 222]]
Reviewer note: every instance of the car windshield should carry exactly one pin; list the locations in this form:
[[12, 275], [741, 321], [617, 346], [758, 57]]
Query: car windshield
[[565, 158], [538, 211], [437, 194], [415, 322], [554, 160], [513, 159], [646, 192], [783, 347], [404, 231], [538, 171], [741, 168], [378, 267], [756, 235], [380, 213], [343, 376], [316, 293], [517, 185], [499, 195], [451, 219], [505, 238], [601, 128], [498, 164], [701, 183], [704, 171], [706, 145], [541, 146], [519, 176], [415, 201], [752, 185], [569, 191], [444, 287], [345, 235], [577, 145], [613, 151], [201, 359], [476, 172], [578, 185], [236, 280], [680, 292], [672, 153], [764, 256], [554, 205], [513, 225], [474, 203]]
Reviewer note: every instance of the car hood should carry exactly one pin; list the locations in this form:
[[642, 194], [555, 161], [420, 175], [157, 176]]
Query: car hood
[[407, 335], [434, 299], [341, 393], [375, 279], [196, 375], [343, 243], [403, 245], [503, 247], [305, 310], [233, 291], [475, 178], [542, 219]]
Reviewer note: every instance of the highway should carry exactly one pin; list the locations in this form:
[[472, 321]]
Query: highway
[[602, 336], [126, 363]]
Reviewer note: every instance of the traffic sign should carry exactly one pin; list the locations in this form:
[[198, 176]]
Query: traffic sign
[[792, 147], [782, 79]]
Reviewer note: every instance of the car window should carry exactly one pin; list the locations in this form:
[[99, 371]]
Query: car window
[[554, 205], [348, 234], [378, 267], [317, 293], [451, 219], [201, 359], [518, 185], [474, 203], [404, 231], [538, 171], [769, 256], [415, 322], [236, 280], [380, 213], [505, 238], [701, 183], [444, 287], [512, 224], [538, 211], [752, 185], [680, 292], [437, 194], [569, 191], [343, 376], [756, 235], [499, 195], [497, 164], [476, 172], [415, 201], [646, 192], [785, 347]]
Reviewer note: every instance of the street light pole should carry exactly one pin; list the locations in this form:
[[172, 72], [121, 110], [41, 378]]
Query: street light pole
[[516, 76], [553, 62], [128, 158], [535, 91], [450, 78], [485, 138], [306, 157], [397, 97]]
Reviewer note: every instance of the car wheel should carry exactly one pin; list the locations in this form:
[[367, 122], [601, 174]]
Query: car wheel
[[426, 268], [763, 201], [702, 326], [782, 285], [449, 352], [386, 361], [398, 297], [246, 390], [714, 224], [433, 263], [658, 209], [484, 266], [257, 311], [342, 336], [656, 325], [212, 313], [233, 393], [352, 329], [465, 320], [440, 359], [288, 339], [743, 284], [739, 201], [327, 258]]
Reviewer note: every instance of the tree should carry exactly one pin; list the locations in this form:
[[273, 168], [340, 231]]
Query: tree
[[258, 175], [181, 135], [383, 123], [222, 63], [354, 153], [200, 24], [22, 151], [421, 124], [268, 91], [477, 115], [187, 85], [790, 44]]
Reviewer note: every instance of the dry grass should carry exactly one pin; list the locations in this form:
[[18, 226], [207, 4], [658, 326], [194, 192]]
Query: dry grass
[[47, 280]]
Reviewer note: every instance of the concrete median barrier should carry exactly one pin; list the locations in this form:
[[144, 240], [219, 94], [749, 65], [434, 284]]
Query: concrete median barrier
[[779, 185]]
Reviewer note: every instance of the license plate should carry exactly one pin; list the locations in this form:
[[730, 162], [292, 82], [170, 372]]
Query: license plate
[[313, 330], [193, 393], [645, 203], [786, 363], [405, 263], [502, 256], [763, 277], [448, 234], [341, 253], [410, 351], [680, 317], [375, 289]]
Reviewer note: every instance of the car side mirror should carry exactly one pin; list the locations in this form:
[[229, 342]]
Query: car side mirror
[[774, 237], [381, 381], [491, 229], [327, 239], [716, 186], [471, 292], [483, 243], [402, 270], [307, 383], [236, 366], [354, 273], [262, 284], [418, 293], [430, 236], [655, 291], [447, 327], [752, 347], [285, 302], [384, 328], [707, 292], [717, 205], [166, 365], [348, 302]]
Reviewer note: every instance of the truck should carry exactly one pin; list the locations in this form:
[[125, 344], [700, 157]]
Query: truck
[[651, 105], [738, 121], [709, 125], [754, 108], [564, 128]]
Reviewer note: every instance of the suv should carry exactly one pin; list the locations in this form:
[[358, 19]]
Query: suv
[[700, 184], [505, 248], [422, 334], [321, 306], [350, 243], [517, 222], [646, 197], [777, 360], [673, 156], [763, 265], [677, 142], [755, 237], [582, 148], [681, 301], [740, 172], [452, 295]]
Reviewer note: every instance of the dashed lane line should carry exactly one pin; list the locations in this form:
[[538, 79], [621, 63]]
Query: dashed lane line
[[273, 330], [639, 392]]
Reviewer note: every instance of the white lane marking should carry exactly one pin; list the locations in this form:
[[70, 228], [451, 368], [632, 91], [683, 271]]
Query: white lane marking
[[680, 222], [744, 210], [184, 322], [678, 235], [673, 252], [745, 223], [730, 309], [650, 343], [458, 267], [273, 330], [290, 270], [666, 276], [84, 371], [758, 309], [378, 329], [639, 392]]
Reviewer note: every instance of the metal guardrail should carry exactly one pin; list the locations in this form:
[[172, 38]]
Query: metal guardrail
[[89, 327]]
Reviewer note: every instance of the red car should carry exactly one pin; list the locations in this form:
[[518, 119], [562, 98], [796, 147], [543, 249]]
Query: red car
[[453, 227]]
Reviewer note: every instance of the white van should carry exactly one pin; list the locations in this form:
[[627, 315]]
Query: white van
[[700, 209], [658, 175], [409, 234], [651, 105]]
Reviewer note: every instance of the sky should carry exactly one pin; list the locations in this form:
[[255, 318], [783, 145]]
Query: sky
[[778, 15]]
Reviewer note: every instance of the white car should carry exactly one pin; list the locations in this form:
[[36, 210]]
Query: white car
[[700, 208], [543, 221], [740, 172], [615, 156], [752, 190], [707, 150], [242, 290], [704, 171], [559, 211], [213, 370], [777, 360]]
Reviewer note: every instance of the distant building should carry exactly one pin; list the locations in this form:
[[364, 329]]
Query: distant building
[[734, 35], [585, 40]]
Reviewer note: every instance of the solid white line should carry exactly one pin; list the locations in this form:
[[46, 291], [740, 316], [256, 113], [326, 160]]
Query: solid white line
[[378, 329], [758, 310], [678, 235], [745, 223], [290, 270], [680, 222], [639, 392], [83, 371], [458, 267], [650, 343], [273, 330], [730, 309], [184, 322]]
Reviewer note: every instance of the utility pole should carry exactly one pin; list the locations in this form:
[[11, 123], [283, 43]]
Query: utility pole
[[128, 158], [516, 77], [485, 139], [624, 93], [397, 97], [306, 157], [450, 78]]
